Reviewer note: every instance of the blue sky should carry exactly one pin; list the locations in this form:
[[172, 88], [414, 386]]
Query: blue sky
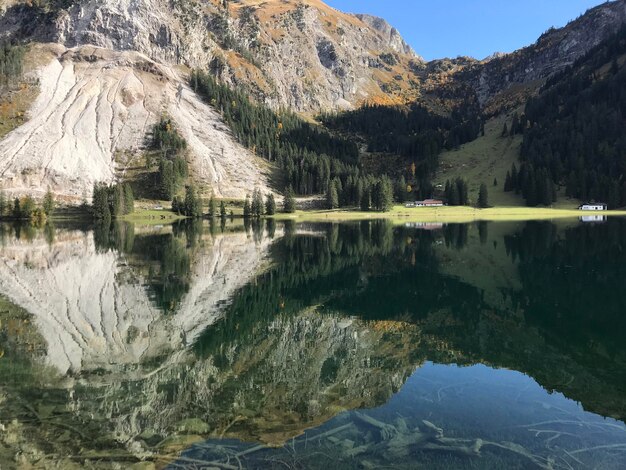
[[478, 28]]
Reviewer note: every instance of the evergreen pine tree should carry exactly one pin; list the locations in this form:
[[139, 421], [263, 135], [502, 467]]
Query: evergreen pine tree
[[358, 193], [289, 205], [332, 197], [270, 204], [385, 194], [247, 208], [129, 199], [117, 200], [545, 191], [483, 196], [401, 190], [257, 203], [613, 195], [3, 204], [167, 184], [17, 209], [100, 202], [222, 210], [193, 204], [515, 125], [462, 192], [453, 195], [48, 204], [529, 189], [365, 200], [375, 194], [508, 183], [27, 207]]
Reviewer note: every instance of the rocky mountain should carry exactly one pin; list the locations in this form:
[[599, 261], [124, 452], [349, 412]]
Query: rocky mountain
[[298, 54], [91, 119], [106, 70]]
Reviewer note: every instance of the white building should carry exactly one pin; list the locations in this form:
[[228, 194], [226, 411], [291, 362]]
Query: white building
[[596, 206]]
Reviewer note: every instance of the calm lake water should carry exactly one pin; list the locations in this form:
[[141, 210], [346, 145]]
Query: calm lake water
[[270, 345]]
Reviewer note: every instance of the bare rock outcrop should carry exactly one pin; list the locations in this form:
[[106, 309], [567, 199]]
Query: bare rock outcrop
[[96, 105], [391, 34], [303, 55]]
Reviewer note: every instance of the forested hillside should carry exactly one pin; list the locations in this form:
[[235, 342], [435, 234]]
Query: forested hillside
[[575, 130], [309, 157], [414, 133], [12, 102]]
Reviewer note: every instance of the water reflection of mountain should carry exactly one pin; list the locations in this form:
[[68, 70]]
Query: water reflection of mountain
[[100, 307], [288, 332], [539, 298]]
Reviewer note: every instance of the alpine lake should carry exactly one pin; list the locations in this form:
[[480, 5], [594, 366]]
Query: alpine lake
[[278, 345]]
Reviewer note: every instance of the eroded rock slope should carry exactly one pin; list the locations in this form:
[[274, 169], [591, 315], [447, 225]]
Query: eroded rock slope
[[92, 118]]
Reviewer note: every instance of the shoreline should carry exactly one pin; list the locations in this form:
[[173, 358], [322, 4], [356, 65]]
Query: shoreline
[[449, 214], [397, 215]]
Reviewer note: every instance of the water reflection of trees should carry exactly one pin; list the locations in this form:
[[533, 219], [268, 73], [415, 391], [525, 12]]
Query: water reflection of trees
[[456, 235], [162, 259], [568, 311], [567, 303], [562, 326], [573, 284]]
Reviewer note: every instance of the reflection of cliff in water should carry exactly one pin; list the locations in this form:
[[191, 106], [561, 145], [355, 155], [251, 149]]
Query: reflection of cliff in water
[[267, 370], [100, 307]]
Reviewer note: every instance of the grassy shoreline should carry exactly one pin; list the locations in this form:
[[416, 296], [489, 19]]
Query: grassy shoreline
[[398, 215], [152, 217], [401, 214]]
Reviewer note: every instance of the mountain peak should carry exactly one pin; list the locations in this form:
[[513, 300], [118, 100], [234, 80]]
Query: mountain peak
[[396, 41]]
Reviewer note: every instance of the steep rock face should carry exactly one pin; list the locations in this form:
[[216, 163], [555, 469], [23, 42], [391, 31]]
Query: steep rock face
[[91, 120], [118, 65], [322, 58], [298, 54], [152, 27], [391, 34]]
